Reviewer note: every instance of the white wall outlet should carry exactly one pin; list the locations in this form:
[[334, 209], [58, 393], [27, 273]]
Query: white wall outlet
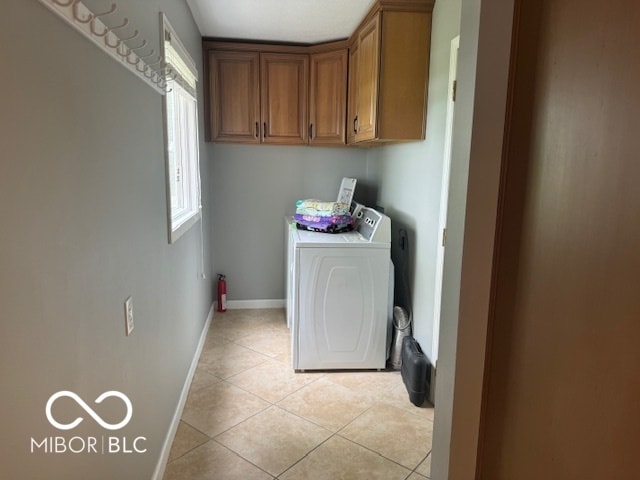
[[128, 315]]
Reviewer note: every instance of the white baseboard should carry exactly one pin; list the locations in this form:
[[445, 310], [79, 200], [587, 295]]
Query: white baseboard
[[238, 304], [177, 415]]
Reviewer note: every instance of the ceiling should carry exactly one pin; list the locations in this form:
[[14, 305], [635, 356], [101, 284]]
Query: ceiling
[[299, 21]]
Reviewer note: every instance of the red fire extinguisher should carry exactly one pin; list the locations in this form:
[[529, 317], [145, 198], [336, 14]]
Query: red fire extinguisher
[[222, 293]]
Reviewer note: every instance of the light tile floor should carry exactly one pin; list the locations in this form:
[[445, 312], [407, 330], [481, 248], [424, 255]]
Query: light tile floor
[[250, 416]]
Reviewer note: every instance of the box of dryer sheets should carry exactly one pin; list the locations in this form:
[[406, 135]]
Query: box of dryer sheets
[[347, 187]]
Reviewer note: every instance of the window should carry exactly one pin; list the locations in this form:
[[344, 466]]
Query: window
[[181, 130]]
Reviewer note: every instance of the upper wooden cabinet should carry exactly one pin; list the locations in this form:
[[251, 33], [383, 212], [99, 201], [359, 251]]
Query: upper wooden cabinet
[[389, 72], [234, 90], [328, 98], [369, 89], [257, 97], [275, 94], [284, 92], [352, 103], [365, 84]]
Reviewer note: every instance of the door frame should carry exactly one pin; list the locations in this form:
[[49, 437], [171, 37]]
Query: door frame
[[478, 138], [444, 195]]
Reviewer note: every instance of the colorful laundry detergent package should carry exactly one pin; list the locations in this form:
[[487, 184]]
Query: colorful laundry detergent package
[[327, 217], [320, 216]]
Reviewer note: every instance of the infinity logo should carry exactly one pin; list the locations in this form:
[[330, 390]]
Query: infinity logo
[[89, 410]]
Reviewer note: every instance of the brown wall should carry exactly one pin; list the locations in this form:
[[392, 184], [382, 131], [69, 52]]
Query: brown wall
[[562, 380]]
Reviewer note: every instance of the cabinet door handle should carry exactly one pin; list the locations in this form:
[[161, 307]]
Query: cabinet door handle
[[264, 133], [311, 131], [257, 130], [355, 124]]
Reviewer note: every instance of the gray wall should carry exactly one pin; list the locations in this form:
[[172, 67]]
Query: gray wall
[[83, 213], [410, 177], [253, 187]]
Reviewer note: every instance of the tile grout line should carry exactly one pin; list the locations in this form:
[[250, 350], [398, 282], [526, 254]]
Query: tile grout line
[[339, 433], [380, 454], [333, 434], [420, 463], [240, 456], [306, 455], [191, 449]]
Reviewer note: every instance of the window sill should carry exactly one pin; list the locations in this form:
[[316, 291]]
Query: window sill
[[184, 225]]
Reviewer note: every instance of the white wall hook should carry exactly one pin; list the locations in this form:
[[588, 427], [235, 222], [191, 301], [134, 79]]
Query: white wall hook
[[126, 39], [114, 45], [76, 14], [135, 58], [124, 24], [142, 57], [144, 44], [92, 27], [111, 10]]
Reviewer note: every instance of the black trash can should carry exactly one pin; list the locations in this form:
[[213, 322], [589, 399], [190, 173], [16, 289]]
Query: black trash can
[[416, 371]]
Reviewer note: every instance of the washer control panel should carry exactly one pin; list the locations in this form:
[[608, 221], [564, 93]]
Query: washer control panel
[[372, 225]]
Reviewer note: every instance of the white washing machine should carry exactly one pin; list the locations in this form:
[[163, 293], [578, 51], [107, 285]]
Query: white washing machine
[[338, 289]]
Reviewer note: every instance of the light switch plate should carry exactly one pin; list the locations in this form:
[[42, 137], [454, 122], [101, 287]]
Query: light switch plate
[[128, 315]]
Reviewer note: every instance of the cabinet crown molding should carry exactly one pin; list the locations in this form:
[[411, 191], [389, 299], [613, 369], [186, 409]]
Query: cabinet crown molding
[[271, 47], [416, 6]]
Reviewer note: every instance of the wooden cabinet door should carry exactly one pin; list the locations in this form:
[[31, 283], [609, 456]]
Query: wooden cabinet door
[[234, 96], [284, 98], [352, 97], [328, 98], [367, 79]]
